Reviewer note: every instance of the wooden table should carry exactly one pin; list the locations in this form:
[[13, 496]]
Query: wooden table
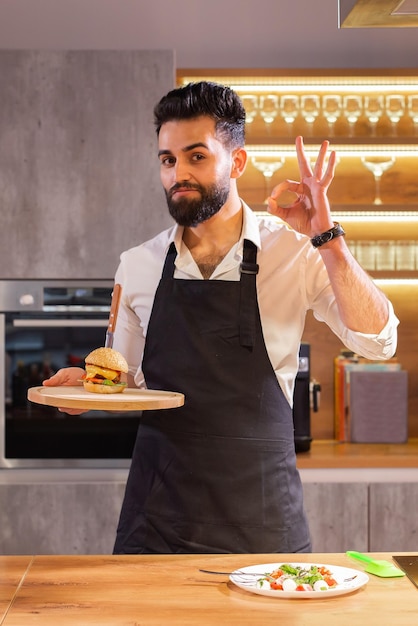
[[12, 573], [169, 590]]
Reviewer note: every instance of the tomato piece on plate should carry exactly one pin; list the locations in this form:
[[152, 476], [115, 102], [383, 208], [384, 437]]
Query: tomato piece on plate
[[276, 585]]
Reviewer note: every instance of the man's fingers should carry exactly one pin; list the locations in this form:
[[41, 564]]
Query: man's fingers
[[303, 161], [286, 185]]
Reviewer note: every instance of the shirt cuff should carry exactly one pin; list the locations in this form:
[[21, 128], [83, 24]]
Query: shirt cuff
[[382, 346]]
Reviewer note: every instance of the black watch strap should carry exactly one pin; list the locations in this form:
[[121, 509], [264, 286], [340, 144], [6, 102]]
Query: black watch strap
[[336, 231]]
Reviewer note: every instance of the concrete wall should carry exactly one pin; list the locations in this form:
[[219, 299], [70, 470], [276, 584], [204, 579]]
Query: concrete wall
[[79, 175]]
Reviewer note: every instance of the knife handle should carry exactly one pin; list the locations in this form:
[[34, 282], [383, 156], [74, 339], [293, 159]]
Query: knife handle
[[113, 315]]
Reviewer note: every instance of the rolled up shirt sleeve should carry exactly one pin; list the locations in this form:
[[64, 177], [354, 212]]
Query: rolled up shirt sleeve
[[377, 347]]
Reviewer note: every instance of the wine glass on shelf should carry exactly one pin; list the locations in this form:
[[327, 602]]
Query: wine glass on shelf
[[365, 253], [267, 166], [331, 110], [289, 109], [269, 108], [413, 110], [373, 109], [251, 107], [395, 108], [377, 167], [310, 106], [405, 255], [352, 106]]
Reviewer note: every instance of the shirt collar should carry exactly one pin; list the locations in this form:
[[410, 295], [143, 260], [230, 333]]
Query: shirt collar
[[250, 226]]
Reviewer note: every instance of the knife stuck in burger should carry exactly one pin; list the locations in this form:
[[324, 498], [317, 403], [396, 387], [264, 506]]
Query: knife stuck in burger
[[104, 368]]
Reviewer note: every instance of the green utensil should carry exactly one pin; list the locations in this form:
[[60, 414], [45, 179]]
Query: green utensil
[[385, 569]]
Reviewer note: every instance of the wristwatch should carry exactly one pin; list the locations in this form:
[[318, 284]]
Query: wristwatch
[[336, 231]]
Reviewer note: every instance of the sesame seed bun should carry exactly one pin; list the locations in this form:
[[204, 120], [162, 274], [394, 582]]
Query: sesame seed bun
[[108, 358]]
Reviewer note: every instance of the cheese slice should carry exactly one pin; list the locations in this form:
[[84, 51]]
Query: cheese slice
[[93, 370]]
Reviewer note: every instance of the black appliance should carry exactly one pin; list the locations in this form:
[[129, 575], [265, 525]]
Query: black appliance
[[305, 398]]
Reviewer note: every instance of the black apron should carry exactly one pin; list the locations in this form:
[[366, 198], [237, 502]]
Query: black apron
[[217, 475]]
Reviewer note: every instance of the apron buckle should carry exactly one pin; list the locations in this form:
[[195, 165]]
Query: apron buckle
[[248, 268]]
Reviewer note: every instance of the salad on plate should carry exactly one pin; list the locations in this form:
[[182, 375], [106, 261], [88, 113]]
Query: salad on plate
[[298, 578]]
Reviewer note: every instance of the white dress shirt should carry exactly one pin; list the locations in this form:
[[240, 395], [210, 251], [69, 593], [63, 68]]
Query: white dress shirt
[[292, 279]]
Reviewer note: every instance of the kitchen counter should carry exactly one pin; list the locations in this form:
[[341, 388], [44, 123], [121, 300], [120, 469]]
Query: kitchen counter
[[327, 461], [332, 454], [324, 454], [170, 589]]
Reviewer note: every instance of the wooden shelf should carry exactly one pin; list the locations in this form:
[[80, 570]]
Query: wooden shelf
[[351, 195], [353, 183]]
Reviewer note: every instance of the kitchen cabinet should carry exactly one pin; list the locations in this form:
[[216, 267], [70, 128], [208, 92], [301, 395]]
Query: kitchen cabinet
[[61, 515], [367, 515], [79, 176], [81, 517], [337, 515], [393, 516], [369, 116]]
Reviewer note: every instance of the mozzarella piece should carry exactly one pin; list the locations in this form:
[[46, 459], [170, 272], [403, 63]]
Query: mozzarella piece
[[320, 585], [263, 584], [289, 584]]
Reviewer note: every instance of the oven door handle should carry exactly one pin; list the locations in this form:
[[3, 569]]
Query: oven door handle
[[28, 323]]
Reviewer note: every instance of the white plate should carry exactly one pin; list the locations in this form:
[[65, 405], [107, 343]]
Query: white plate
[[245, 579]]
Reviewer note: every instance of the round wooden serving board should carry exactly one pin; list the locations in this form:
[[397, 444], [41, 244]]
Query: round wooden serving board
[[129, 400]]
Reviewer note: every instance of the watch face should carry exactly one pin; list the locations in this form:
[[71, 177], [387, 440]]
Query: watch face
[[319, 240], [327, 236]]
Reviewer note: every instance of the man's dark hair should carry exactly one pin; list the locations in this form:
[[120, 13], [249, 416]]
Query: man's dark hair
[[216, 101]]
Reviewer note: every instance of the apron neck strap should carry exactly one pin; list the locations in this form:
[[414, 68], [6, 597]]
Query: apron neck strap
[[248, 297], [169, 264]]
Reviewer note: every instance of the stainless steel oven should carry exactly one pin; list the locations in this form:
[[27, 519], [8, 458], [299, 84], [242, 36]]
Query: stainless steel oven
[[46, 325]]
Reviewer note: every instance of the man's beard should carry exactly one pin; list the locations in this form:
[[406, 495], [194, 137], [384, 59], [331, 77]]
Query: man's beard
[[193, 211]]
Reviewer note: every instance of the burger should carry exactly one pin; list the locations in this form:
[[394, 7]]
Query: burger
[[104, 367]]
